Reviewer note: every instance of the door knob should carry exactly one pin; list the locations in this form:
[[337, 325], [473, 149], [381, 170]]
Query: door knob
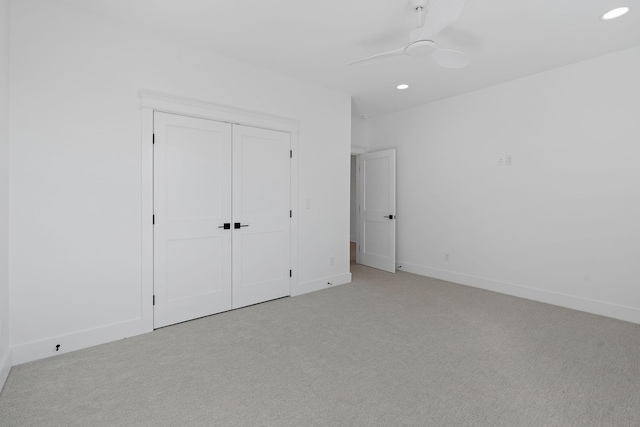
[[226, 226], [238, 225], [390, 216]]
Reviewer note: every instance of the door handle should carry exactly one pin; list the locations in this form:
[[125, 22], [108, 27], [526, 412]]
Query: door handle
[[390, 216], [238, 225], [226, 226]]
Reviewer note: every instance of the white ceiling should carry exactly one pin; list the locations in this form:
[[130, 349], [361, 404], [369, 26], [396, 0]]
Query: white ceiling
[[313, 41]]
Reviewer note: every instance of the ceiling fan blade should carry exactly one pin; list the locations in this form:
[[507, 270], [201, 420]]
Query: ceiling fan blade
[[449, 58], [376, 58], [439, 16]]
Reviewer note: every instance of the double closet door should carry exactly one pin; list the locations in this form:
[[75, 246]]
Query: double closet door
[[221, 217]]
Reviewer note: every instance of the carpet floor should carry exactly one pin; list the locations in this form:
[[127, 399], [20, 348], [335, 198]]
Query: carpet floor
[[386, 350]]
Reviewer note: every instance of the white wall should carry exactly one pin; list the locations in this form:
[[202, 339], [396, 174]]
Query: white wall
[[562, 223], [75, 168], [359, 132], [5, 362]]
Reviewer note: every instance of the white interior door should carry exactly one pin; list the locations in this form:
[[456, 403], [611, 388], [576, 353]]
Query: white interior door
[[192, 200], [377, 245], [261, 210]]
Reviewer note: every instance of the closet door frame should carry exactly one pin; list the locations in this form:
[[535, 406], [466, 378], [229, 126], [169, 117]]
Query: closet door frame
[[160, 102]]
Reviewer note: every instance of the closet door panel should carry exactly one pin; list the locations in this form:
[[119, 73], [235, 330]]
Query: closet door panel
[[192, 200], [261, 204]]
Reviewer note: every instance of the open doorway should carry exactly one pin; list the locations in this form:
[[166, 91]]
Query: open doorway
[[354, 206], [373, 209]]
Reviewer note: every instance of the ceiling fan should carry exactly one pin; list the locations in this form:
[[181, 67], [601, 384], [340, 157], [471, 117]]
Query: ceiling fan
[[440, 15]]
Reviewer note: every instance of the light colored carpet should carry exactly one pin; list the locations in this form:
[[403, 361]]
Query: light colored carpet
[[386, 350]]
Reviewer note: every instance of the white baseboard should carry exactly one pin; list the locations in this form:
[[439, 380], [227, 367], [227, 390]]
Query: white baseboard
[[621, 312], [319, 284], [36, 350], [5, 367]]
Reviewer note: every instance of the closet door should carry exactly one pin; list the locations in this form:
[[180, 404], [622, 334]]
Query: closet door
[[192, 202], [261, 203]]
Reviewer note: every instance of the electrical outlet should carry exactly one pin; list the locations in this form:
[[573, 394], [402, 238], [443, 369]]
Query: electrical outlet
[[501, 161], [446, 257], [331, 260], [508, 160]]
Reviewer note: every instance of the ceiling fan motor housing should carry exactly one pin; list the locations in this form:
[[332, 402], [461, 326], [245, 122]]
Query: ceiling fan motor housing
[[420, 48]]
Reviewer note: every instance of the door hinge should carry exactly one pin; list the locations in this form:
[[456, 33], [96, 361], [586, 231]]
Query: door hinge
[[153, 139], [154, 300], [290, 214], [290, 273], [291, 154], [153, 219]]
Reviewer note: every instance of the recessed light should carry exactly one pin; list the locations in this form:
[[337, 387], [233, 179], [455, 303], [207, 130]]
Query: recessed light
[[402, 87], [615, 13]]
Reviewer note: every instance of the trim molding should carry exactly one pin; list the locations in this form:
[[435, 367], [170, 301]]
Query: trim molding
[[602, 308], [319, 284], [36, 350], [358, 149], [175, 104], [5, 367]]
